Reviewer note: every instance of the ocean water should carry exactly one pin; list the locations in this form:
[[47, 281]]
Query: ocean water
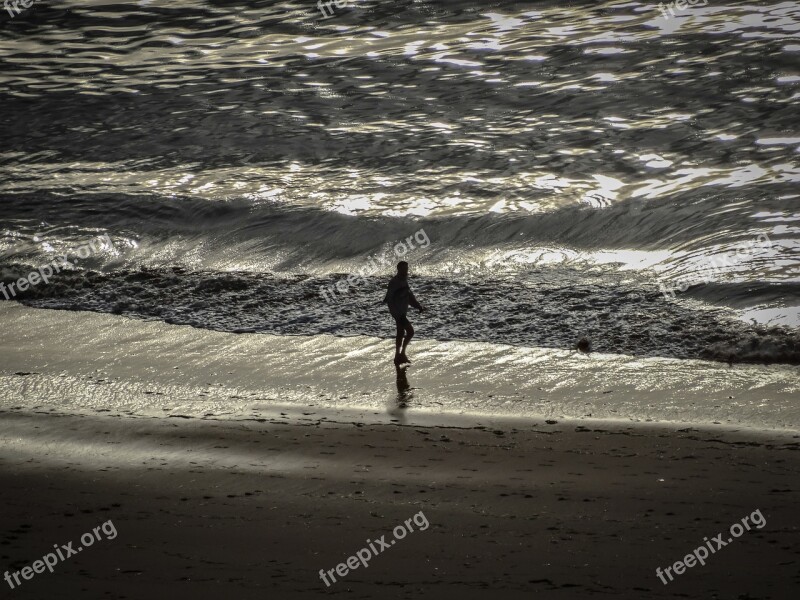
[[551, 172]]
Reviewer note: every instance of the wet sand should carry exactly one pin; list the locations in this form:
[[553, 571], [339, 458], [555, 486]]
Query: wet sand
[[81, 362], [210, 509]]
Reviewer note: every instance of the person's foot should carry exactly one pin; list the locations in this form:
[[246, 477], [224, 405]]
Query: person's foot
[[404, 358]]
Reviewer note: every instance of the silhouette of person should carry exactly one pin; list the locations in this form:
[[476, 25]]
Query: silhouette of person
[[399, 296]]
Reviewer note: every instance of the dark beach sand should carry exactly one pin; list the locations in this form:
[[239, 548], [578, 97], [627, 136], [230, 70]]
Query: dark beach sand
[[249, 509]]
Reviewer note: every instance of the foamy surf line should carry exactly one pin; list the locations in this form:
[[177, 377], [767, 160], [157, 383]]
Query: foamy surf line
[[130, 367], [549, 310]]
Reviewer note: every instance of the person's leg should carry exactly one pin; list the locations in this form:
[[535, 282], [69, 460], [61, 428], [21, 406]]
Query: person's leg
[[409, 334], [398, 341]]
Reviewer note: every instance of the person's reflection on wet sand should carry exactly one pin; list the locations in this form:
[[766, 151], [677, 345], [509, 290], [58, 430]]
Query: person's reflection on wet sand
[[404, 394]]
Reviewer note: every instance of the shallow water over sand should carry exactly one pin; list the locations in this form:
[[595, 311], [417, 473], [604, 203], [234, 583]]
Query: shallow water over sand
[[125, 367]]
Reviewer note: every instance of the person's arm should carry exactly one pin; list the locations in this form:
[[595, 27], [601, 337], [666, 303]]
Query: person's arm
[[391, 290], [413, 301]]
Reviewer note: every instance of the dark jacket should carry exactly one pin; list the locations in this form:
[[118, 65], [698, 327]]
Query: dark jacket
[[399, 296]]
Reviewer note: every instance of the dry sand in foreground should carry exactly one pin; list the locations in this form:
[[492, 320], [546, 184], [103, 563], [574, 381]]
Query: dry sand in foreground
[[211, 509]]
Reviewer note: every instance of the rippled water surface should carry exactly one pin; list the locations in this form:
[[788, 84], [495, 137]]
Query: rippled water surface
[[568, 164]]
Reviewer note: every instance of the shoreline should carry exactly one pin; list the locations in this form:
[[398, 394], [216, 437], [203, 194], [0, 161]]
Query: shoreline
[[150, 368]]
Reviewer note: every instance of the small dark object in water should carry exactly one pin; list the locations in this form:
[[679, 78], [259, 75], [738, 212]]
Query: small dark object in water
[[584, 345]]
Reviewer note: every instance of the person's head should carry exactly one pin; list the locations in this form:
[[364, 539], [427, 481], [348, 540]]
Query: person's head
[[402, 268]]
